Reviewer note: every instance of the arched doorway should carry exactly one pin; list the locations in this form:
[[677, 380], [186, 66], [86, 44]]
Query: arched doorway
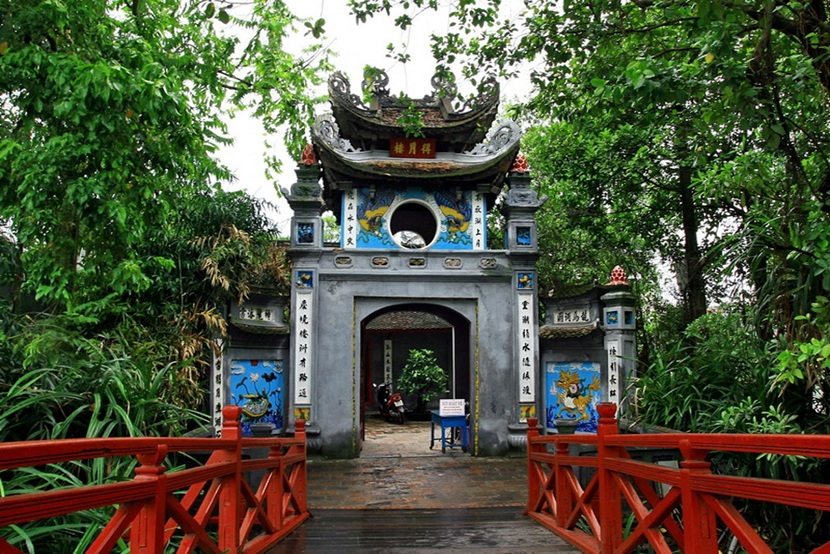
[[387, 336]]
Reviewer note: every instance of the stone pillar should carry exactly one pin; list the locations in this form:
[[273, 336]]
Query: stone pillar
[[620, 323], [306, 242], [519, 209]]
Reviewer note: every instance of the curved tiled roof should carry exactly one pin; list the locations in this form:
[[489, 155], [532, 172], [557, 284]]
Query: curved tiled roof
[[379, 119]]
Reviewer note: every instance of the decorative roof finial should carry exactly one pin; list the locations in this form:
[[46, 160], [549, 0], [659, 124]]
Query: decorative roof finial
[[520, 165], [308, 157], [618, 277]]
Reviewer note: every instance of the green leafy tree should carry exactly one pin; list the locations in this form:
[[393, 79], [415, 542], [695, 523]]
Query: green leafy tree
[[111, 116], [422, 376], [119, 250], [697, 131]]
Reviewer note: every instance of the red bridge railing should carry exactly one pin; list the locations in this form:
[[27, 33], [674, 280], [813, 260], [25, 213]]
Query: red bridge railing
[[686, 513], [211, 508]]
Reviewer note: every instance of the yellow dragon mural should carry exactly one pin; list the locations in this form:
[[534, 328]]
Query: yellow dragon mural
[[575, 397]]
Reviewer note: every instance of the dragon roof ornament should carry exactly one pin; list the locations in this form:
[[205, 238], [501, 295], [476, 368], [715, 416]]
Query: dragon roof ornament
[[326, 128], [501, 135], [378, 82], [340, 88], [443, 85]]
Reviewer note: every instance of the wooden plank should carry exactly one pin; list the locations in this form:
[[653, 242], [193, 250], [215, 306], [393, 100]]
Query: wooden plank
[[452, 530]]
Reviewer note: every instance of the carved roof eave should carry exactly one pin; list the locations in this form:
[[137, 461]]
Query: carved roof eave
[[376, 165], [360, 121], [567, 331], [490, 159], [260, 329]]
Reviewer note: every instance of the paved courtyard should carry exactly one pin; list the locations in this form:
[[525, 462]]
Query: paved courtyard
[[397, 471]]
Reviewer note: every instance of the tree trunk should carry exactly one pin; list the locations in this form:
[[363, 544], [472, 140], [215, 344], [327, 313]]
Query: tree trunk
[[695, 293]]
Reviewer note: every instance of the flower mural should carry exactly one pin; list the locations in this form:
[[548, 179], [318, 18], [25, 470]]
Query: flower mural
[[258, 388]]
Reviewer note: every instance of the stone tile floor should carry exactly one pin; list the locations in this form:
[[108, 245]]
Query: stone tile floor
[[397, 470]]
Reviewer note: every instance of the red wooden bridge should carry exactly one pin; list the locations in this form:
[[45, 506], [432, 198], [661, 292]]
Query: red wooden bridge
[[215, 508], [675, 509], [211, 508]]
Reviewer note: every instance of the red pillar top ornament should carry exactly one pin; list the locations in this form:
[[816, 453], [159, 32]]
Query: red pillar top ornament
[[308, 157], [520, 165], [617, 277]]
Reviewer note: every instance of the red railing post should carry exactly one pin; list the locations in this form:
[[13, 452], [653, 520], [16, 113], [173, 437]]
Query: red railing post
[[610, 501], [700, 531], [276, 490], [564, 494], [300, 486], [230, 499], [533, 481], [147, 531]]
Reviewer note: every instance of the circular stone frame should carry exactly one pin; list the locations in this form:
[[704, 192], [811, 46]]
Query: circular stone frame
[[415, 216]]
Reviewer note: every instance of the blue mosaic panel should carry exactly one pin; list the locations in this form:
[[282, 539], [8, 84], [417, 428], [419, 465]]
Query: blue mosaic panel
[[454, 215], [524, 281], [305, 279], [305, 233], [573, 390], [258, 387], [523, 237]]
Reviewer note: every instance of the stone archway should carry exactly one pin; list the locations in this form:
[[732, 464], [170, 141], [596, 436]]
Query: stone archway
[[388, 334]]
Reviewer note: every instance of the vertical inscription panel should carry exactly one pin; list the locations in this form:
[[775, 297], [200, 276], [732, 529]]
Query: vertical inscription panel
[[613, 386], [527, 347], [349, 227], [303, 338], [387, 362]]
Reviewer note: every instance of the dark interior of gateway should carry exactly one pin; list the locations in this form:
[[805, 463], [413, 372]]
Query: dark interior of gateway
[[399, 329], [414, 218]]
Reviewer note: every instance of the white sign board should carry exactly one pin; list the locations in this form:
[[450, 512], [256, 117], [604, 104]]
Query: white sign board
[[451, 407]]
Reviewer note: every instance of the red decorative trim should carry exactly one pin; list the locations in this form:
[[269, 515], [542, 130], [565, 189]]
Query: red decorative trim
[[618, 277], [520, 165], [308, 157]]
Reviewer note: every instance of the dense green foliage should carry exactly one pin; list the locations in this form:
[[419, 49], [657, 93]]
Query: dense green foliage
[[689, 138], [111, 115], [118, 250], [138, 365]]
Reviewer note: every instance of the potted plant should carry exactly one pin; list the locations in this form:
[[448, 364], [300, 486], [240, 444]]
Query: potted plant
[[422, 376]]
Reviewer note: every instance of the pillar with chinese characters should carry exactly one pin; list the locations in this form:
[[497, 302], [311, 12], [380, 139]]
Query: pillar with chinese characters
[[306, 240], [520, 206], [619, 319]]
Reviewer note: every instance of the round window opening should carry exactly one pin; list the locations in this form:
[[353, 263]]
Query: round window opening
[[413, 225]]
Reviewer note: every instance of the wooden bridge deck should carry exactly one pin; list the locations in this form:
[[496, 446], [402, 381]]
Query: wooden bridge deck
[[400, 496], [481, 530]]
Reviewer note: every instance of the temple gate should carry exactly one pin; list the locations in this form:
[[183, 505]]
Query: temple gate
[[414, 266]]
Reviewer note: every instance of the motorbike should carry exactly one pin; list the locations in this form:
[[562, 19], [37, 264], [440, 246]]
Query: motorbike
[[390, 403]]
